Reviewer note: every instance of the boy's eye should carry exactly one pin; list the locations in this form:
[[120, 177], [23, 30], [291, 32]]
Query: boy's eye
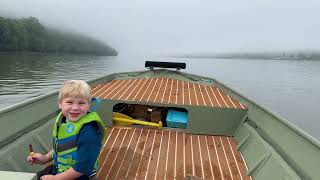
[[69, 102], [82, 102]]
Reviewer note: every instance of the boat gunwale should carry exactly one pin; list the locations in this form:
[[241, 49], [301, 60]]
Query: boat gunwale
[[27, 102]]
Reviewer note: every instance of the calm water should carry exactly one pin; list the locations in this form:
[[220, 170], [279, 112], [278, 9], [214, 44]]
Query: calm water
[[288, 88]]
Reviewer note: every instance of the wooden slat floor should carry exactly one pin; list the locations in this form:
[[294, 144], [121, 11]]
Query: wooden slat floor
[[167, 91], [141, 153]]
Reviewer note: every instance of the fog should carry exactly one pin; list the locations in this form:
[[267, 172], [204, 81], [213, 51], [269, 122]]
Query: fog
[[176, 26]]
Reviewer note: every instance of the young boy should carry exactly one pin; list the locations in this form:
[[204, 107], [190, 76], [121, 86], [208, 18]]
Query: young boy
[[77, 136]]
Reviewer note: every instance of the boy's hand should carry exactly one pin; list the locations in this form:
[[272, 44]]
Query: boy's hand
[[37, 158]]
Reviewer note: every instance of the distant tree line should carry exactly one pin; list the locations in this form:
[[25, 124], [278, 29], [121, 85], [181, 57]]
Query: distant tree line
[[28, 34], [292, 55], [275, 55]]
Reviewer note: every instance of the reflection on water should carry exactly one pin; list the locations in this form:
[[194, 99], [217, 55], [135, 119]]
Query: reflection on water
[[289, 88]]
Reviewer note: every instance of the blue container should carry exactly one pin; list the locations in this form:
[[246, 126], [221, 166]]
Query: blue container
[[177, 119]]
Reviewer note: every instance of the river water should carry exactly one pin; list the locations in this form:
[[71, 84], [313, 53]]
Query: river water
[[290, 88]]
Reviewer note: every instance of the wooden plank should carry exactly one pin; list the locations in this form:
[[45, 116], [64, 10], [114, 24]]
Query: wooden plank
[[165, 91], [141, 153]]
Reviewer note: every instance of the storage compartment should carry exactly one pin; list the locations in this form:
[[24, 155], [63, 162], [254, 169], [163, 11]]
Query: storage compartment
[[177, 119], [173, 117]]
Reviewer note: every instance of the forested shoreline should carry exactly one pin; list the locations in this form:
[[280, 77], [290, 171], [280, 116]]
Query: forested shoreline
[[28, 34], [276, 55]]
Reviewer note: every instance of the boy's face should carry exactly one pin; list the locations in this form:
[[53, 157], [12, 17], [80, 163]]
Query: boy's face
[[74, 108]]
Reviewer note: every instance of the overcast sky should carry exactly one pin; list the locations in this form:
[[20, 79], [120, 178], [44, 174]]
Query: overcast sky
[[182, 26]]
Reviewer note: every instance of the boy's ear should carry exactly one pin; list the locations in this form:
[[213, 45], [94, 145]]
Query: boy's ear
[[60, 105]]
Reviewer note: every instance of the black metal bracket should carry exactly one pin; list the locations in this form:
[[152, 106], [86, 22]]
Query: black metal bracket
[[176, 65]]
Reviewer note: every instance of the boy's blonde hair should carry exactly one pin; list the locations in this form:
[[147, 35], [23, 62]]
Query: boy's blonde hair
[[74, 88]]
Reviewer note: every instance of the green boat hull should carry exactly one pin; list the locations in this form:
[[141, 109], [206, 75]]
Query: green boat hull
[[272, 147]]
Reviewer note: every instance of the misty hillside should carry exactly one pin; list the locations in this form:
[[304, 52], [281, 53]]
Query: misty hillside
[[28, 34]]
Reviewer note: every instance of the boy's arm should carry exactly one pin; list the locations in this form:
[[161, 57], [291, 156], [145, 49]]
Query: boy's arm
[[89, 144]]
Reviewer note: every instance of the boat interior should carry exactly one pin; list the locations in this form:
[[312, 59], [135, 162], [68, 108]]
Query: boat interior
[[186, 129], [165, 124]]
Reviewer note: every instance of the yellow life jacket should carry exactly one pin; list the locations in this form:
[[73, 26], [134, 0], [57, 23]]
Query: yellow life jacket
[[65, 137]]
